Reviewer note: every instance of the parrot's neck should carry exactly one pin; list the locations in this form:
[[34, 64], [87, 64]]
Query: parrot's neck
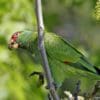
[[32, 47], [28, 41]]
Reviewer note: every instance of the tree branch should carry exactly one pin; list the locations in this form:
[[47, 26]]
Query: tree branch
[[43, 52]]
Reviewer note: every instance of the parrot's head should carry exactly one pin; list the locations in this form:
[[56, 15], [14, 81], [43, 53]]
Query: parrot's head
[[13, 42], [22, 39]]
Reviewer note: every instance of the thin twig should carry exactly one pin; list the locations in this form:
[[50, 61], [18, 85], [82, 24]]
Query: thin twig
[[43, 52]]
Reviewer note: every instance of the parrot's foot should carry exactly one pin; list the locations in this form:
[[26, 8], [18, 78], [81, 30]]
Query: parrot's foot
[[41, 76], [49, 97], [77, 90], [96, 89], [55, 85]]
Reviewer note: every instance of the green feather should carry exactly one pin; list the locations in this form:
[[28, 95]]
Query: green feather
[[60, 51]]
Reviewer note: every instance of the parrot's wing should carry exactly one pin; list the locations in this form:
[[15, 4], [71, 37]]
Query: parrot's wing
[[61, 50], [62, 72]]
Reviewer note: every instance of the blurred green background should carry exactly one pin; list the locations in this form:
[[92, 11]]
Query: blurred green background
[[75, 20]]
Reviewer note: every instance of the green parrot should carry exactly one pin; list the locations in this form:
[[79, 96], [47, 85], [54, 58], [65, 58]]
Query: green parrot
[[67, 65]]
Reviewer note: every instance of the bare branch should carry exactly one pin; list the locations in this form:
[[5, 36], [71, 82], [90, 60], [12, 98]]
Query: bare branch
[[43, 52]]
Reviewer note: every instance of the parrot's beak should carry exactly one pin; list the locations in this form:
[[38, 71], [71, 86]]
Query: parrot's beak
[[12, 45]]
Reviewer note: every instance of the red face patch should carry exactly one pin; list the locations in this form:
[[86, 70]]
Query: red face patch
[[15, 36]]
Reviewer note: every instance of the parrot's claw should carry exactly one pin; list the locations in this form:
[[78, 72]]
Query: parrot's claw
[[55, 85], [77, 90], [41, 76], [49, 97]]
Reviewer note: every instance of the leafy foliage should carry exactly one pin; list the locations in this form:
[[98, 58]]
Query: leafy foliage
[[97, 10], [14, 70]]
